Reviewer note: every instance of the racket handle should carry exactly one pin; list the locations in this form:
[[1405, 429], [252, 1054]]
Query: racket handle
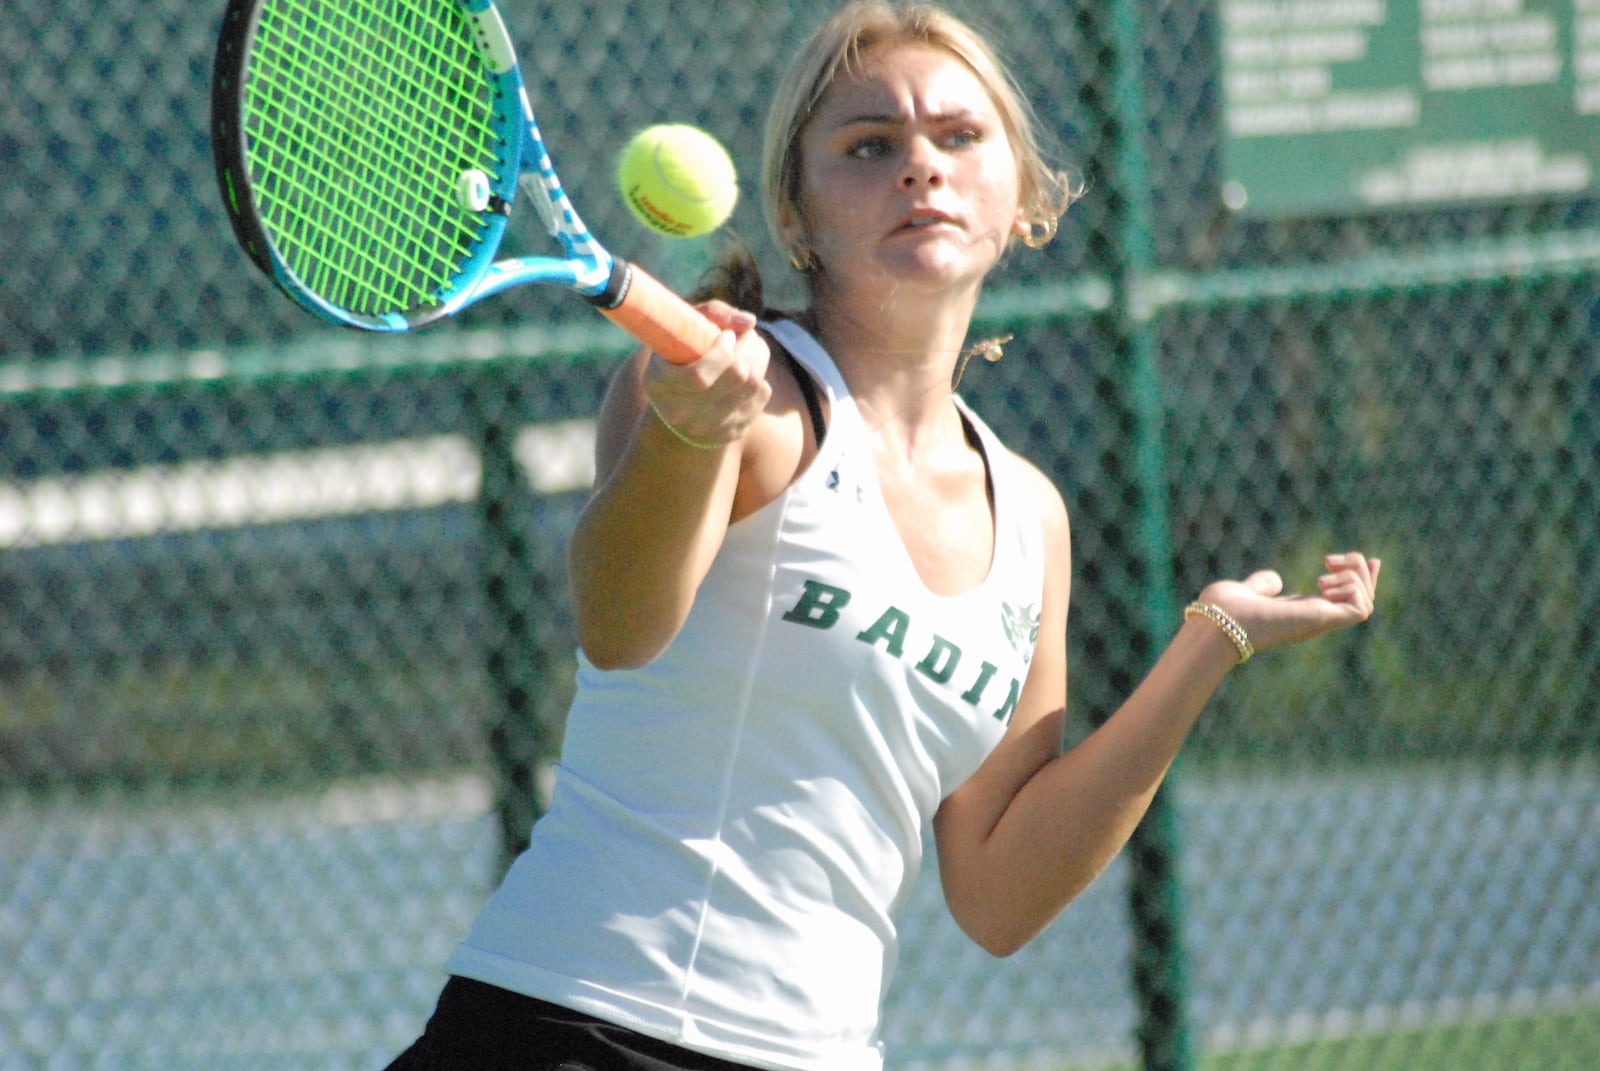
[[651, 312]]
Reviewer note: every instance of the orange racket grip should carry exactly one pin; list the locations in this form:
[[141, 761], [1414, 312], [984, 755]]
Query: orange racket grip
[[651, 312]]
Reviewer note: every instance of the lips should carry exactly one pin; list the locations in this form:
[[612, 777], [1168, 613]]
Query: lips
[[922, 218]]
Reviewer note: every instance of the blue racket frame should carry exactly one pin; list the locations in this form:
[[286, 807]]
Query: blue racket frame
[[520, 159]]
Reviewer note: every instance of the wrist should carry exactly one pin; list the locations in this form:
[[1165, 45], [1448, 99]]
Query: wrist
[[677, 433], [1225, 623]]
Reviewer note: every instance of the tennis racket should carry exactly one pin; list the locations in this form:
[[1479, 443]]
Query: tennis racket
[[369, 151]]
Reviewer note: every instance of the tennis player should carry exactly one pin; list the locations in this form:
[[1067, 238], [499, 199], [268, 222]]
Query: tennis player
[[821, 607]]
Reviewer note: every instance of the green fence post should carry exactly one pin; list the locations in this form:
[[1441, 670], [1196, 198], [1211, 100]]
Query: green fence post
[[1160, 975], [513, 587]]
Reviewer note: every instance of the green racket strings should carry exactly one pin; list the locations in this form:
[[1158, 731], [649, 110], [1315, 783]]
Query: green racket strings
[[359, 117]]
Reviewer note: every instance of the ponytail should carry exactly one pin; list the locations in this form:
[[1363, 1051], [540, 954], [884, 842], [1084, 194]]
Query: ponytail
[[736, 279]]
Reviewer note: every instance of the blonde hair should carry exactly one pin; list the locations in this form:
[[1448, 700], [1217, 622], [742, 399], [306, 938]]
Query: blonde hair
[[837, 47]]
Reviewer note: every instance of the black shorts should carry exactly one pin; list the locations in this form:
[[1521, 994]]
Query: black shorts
[[479, 1027]]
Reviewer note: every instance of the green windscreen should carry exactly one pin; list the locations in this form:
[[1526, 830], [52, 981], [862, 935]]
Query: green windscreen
[[359, 116]]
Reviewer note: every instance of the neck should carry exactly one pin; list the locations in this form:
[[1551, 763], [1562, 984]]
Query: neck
[[898, 355]]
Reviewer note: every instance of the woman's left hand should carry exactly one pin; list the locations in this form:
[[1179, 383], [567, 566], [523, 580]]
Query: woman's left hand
[[1346, 595]]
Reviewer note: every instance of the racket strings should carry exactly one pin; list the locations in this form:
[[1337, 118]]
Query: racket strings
[[351, 107], [374, 159], [359, 116], [388, 144]]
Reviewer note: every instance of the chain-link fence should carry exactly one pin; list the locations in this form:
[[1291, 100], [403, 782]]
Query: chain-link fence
[[282, 628]]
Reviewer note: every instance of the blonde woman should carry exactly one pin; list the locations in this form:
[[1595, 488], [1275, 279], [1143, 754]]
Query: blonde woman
[[822, 608]]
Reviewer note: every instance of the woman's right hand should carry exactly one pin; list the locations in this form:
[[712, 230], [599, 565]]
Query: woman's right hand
[[712, 402]]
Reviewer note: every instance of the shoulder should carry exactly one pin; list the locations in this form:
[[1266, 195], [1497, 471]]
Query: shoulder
[[1055, 530], [1044, 492]]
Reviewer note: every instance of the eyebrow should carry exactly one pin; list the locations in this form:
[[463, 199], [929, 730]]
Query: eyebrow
[[896, 119]]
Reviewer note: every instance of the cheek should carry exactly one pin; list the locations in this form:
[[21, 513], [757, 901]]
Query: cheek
[[1000, 194], [835, 219], [817, 214]]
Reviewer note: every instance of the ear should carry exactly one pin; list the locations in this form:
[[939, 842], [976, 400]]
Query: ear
[[1021, 227], [790, 225], [798, 249]]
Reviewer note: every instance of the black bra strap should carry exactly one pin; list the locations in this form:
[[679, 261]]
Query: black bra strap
[[808, 388]]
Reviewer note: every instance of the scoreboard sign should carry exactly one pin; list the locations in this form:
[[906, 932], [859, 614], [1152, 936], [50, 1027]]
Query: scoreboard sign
[[1334, 106]]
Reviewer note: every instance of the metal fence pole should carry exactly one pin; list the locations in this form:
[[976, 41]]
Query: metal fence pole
[[1160, 976], [513, 586]]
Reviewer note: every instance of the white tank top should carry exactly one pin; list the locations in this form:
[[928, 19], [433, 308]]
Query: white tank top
[[735, 825]]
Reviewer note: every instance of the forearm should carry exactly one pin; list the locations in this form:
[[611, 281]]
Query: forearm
[[645, 540]]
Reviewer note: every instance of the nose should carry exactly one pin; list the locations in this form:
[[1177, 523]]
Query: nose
[[924, 165]]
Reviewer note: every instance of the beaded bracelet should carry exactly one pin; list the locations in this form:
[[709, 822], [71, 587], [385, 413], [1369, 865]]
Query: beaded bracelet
[[680, 436], [1223, 620]]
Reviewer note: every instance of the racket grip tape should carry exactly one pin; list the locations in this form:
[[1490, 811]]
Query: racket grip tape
[[651, 312]]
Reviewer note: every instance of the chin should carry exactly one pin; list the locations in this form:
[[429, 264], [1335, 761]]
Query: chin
[[939, 272]]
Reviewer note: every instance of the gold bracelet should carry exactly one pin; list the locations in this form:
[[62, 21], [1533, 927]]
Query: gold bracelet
[[680, 436], [1223, 620]]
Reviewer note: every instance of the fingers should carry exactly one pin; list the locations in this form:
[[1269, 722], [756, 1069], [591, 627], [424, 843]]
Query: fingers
[[1352, 569], [727, 317], [1352, 580], [1265, 582]]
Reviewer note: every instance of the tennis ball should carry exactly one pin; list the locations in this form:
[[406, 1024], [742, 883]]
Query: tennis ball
[[678, 180]]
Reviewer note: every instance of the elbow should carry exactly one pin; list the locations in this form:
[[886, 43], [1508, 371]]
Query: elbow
[[616, 630], [610, 648], [612, 640], [1001, 943], [999, 908], [996, 932], [607, 660]]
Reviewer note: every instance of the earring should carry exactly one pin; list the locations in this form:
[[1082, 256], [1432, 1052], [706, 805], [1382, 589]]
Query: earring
[[1040, 232], [803, 261]]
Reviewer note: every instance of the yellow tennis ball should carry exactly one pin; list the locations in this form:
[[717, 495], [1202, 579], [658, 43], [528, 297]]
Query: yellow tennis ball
[[678, 180]]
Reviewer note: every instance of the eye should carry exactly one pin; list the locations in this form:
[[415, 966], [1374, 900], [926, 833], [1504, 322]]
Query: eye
[[964, 137], [871, 147]]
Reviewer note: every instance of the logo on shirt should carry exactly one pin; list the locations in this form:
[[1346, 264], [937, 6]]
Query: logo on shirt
[[943, 663], [833, 484], [1021, 624]]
